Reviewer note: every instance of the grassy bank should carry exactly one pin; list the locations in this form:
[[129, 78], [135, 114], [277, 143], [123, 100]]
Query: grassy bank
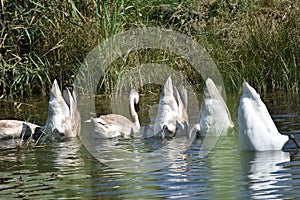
[[42, 40]]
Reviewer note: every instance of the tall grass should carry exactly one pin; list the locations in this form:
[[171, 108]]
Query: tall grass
[[253, 40], [259, 42]]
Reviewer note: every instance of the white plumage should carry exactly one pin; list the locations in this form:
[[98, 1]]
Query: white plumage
[[257, 131], [214, 117]]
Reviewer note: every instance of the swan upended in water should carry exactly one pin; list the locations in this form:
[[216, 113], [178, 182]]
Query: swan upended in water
[[63, 115], [63, 118], [114, 125], [215, 117], [257, 131], [172, 114]]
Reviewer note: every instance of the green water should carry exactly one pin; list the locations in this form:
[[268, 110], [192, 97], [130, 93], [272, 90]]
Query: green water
[[67, 170]]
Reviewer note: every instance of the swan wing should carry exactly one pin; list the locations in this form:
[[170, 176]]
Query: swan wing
[[115, 125], [183, 96], [104, 131], [181, 101]]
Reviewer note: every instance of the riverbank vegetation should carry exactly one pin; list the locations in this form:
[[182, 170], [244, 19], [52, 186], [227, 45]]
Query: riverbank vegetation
[[254, 40]]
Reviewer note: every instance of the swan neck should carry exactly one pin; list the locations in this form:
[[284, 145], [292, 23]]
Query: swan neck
[[133, 113]]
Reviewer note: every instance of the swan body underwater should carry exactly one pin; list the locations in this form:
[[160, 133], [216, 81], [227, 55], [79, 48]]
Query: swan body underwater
[[63, 118], [63, 115], [257, 131], [214, 117], [172, 117], [114, 125]]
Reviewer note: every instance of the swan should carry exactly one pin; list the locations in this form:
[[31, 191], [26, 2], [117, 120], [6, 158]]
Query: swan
[[11, 128], [63, 118], [172, 114], [214, 118], [214, 115], [114, 125], [63, 115], [257, 131]]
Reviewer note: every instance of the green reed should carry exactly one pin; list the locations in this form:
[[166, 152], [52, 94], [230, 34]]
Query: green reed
[[258, 43], [254, 40]]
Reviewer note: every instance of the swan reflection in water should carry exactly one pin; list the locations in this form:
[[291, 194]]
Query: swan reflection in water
[[135, 154], [68, 159], [266, 172]]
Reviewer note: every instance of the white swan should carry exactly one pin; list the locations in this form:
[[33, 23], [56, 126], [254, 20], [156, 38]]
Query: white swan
[[214, 118], [114, 125], [214, 114], [172, 111], [257, 131]]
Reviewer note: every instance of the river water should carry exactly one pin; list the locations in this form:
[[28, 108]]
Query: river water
[[67, 170]]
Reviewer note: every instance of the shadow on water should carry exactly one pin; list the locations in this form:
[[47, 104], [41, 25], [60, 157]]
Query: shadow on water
[[67, 170]]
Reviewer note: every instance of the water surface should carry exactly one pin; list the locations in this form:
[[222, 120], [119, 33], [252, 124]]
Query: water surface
[[67, 170]]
